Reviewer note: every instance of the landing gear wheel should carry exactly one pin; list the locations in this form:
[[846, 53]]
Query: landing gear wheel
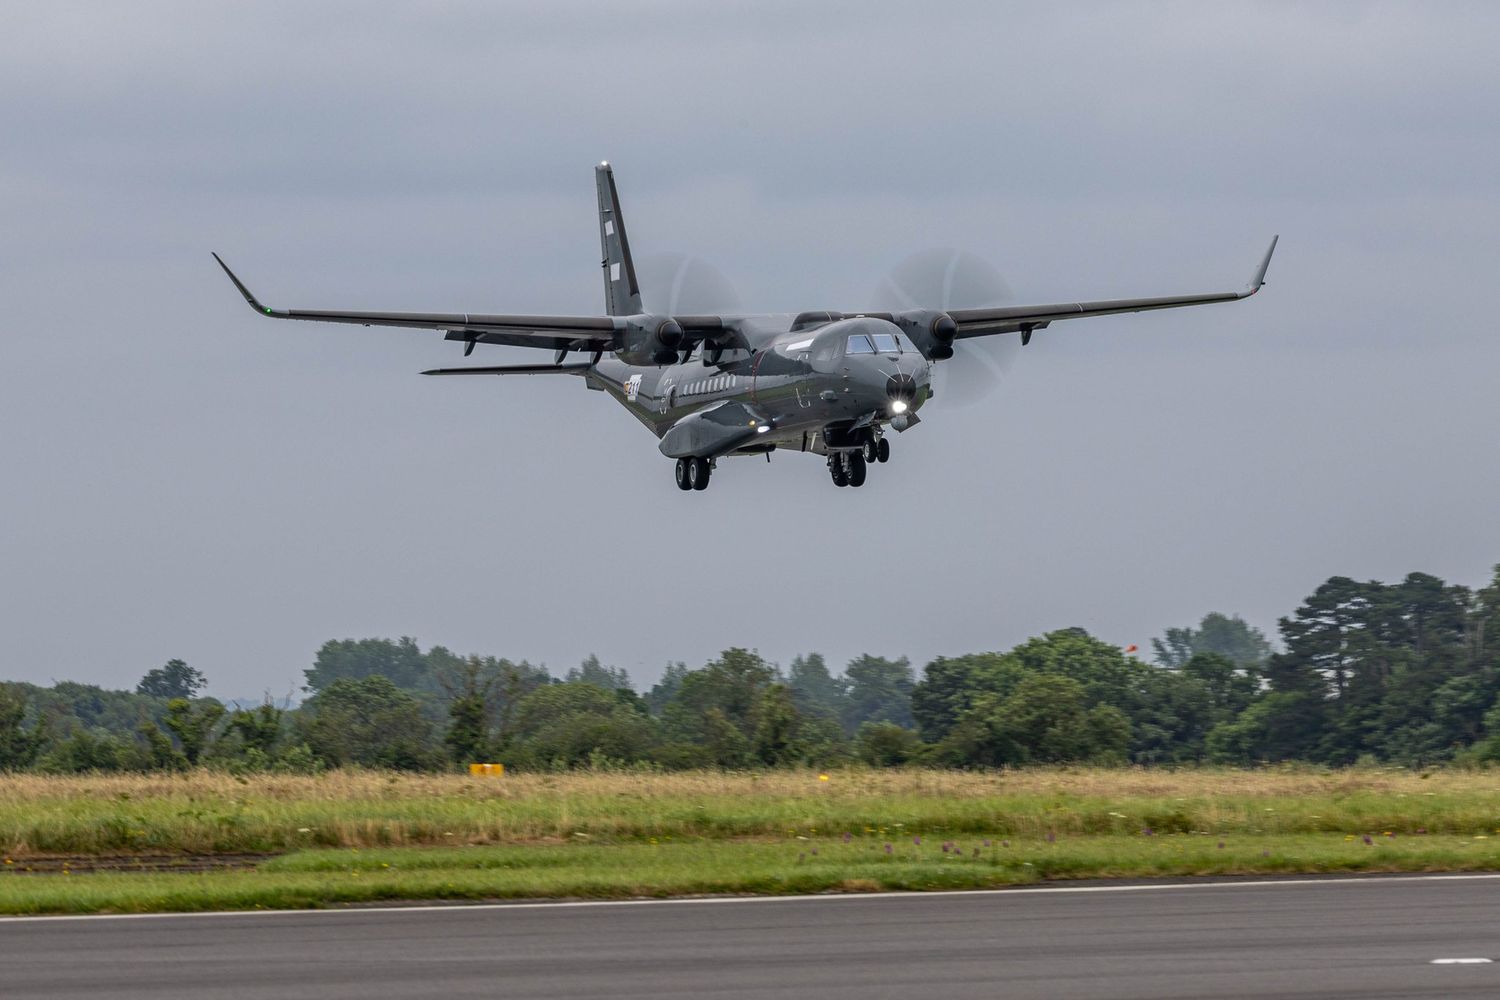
[[857, 468], [836, 469], [682, 474], [872, 451], [698, 473], [883, 451]]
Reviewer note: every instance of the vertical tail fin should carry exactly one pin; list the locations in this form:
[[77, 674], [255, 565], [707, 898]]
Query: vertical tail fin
[[622, 295]]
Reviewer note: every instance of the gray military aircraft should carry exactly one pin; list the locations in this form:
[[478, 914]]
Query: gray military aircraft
[[824, 382]]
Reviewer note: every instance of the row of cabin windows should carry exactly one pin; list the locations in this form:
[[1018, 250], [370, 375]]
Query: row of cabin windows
[[718, 384]]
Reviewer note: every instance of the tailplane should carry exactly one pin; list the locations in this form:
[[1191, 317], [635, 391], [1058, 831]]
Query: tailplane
[[622, 294]]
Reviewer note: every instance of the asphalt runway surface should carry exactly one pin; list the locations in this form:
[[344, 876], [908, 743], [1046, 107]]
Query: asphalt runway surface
[[1316, 938]]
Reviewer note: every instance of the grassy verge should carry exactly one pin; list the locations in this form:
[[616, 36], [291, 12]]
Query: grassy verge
[[360, 837], [207, 813], [329, 877]]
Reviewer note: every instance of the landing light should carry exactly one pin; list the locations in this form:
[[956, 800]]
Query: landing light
[[762, 429], [899, 406]]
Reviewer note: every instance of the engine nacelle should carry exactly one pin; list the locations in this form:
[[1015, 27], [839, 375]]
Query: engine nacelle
[[649, 340], [933, 332], [942, 330]]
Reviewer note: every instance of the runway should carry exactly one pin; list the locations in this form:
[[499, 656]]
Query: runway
[[1317, 938]]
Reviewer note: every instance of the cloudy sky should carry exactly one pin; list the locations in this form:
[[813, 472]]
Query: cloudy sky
[[182, 479]]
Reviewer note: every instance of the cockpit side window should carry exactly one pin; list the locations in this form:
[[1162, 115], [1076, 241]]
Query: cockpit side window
[[858, 343]]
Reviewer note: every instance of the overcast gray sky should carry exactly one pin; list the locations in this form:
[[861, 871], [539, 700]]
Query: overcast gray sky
[[182, 479]]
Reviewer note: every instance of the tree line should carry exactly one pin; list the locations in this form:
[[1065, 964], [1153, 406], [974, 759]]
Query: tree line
[[1405, 673]]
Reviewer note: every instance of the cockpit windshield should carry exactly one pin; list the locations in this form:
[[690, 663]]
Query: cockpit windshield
[[878, 343]]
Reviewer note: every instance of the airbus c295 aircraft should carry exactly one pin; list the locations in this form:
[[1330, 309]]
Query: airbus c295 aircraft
[[712, 386]]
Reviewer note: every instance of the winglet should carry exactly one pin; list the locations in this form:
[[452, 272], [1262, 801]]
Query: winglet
[[1260, 273], [254, 302]]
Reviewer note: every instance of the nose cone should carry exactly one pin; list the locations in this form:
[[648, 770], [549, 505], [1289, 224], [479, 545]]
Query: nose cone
[[907, 389], [901, 386], [890, 385]]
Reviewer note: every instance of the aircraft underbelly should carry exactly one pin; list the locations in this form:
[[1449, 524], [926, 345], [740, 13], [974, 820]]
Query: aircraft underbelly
[[797, 406]]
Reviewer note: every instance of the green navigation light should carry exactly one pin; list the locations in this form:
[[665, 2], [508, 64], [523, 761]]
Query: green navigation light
[[268, 309]]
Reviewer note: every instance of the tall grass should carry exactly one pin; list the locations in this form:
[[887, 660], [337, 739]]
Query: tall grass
[[331, 877], [205, 812]]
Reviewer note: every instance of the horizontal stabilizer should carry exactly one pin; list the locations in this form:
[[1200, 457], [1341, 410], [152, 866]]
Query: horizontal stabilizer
[[577, 368]]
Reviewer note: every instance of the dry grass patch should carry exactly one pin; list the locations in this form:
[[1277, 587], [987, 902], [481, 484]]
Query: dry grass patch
[[205, 812]]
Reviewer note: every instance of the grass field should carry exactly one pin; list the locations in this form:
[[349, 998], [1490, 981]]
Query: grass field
[[353, 837]]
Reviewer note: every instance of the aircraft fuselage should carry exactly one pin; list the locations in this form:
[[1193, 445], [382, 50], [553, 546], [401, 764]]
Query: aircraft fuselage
[[807, 387]]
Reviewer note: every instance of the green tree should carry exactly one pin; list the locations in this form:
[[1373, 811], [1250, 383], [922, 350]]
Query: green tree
[[814, 689], [574, 723], [948, 688], [259, 728], [400, 661], [732, 686], [175, 680], [368, 722], [516, 681], [1047, 715], [1226, 636], [160, 754], [821, 742], [1231, 686], [885, 744], [1173, 717], [469, 685], [877, 690], [20, 743], [193, 724], [1045, 719], [86, 750], [664, 690], [722, 742], [777, 720], [591, 671]]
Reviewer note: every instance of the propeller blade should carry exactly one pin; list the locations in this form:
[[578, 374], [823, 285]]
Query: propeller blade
[[679, 284], [946, 278]]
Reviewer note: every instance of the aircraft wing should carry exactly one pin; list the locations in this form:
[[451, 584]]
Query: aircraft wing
[[1024, 319], [558, 333]]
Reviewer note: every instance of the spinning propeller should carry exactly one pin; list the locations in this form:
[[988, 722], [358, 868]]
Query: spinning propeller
[[954, 279]]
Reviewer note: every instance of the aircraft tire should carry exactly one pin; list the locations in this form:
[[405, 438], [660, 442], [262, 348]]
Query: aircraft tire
[[883, 451], [698, 473], [682, 475], [836, 469], [858, 469], [872, 451]]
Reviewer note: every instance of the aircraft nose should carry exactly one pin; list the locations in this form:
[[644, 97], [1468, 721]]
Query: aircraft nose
[[905, 389], [901, 386]]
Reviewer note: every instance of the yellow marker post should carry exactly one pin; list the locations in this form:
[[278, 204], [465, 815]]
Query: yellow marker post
[[487, 770]]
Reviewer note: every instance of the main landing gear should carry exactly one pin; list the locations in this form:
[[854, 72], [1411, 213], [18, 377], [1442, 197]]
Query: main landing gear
[[849, 468], [694, 473]]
